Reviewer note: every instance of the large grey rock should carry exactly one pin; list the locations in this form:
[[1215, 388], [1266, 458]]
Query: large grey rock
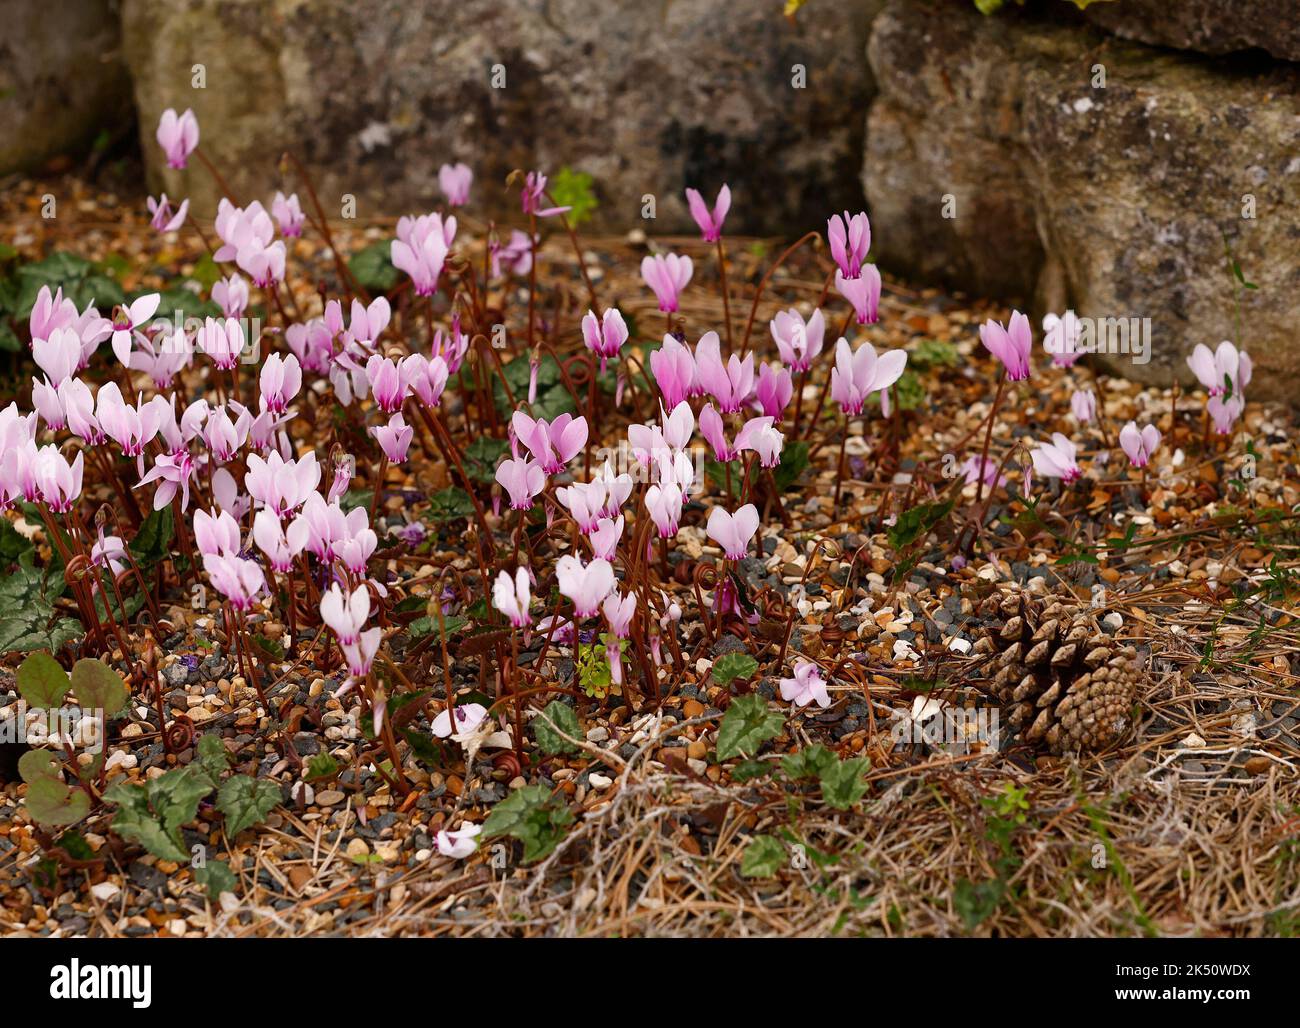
[[648, 97], [62, 81], [1112, 200], [1209, 26]]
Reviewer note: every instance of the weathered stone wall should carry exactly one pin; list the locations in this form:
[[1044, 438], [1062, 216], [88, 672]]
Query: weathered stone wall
[[1112, 199], [646, 97], [62, 80], [1207, 26]]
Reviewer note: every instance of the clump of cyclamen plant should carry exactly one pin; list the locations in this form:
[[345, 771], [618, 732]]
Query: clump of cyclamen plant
[[227, 444]]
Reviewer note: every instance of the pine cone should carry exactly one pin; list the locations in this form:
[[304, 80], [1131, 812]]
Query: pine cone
[[1062, 682]]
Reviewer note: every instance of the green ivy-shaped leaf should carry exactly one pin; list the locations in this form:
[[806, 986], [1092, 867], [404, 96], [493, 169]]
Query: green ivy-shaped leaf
[[794, 458], [13, 544], [98, 687], [731, 666], [534, 817], [152, 814], [213, 755], [762, 857], [51, 802], [41, 681], [809, 762], [373, 267], [556, 715], [747, 770], [216, 877], [843, 782], [916, 523], [450, 503], [746, 726], [152, 544], [36, 764], [321, 766], [246, 801], [573, 189], [481, 457]]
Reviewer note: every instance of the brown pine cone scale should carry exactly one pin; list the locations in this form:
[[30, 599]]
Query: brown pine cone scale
[[1064, 685]]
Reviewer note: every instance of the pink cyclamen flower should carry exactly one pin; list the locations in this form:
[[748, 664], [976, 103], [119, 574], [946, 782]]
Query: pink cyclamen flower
[[458, 844], [617, 488], [1057, 459], [161, 216], [862, 292], [367, 324], [604, 337], [710, 221], [673, 367], [346, 614], [857, 375], [132, 428], [798, 342], [1061, 338], [733, 532], [532, 195], [1225, 411], [807, 686], [731, 384], [247, 235], [421, 249], [511, 596], [454, 180], [850, 239], [281, 548], [178, 135], [231, 295], [667, 276], [1224, 372], [357, 543], [663, 501], [394, 438], [553, 444], [759, 435], [428, 377], [1083, 405], [468, 716], [127, 319], [221, 340], [50, 312], [605, 538], [58, 355], [774, 389], [239, 581], [216, 533], [586, 585], [48, 405], [389, 382], [288, 214], [172, 472], [109, 553], [516, 255], [714, 432], [279, 382], [79, 407], [976, 468], [361, 654], [58, 481], [585, 502], [618, 611], [1010, 345], [1139, 445], [522, 480], [282, 485]]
